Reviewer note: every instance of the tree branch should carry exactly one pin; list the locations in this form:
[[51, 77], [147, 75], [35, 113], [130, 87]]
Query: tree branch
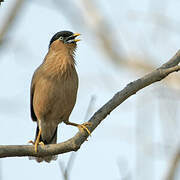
[[75, 142], [174, 166]]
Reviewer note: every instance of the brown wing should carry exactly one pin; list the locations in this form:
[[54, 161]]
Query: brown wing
[[33, 116]]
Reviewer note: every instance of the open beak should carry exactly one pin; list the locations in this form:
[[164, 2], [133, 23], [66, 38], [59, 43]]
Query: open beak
[[75, 35], [72, 39]]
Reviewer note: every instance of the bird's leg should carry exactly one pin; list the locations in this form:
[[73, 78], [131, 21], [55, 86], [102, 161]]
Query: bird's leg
[[80, 126], [37, 141]]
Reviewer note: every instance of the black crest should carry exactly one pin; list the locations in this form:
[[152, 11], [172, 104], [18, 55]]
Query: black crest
[[60, 34]]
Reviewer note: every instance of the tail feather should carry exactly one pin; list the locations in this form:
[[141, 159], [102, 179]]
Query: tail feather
[[52, 141]]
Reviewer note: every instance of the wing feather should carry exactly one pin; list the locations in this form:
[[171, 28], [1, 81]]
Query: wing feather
[[33, 116]]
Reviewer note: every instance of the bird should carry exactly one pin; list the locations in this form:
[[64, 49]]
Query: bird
[[53, 91]]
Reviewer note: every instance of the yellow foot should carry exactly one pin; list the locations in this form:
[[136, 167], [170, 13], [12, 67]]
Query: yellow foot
[[36, 144], [83, 127]]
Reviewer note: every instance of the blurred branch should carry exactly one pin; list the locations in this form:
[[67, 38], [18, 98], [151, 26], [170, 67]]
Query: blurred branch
[[174, 165], [10, 19], [111, 44], [75, 142], [1, 1], [124, 171], [112, 48], [107, 38], [93, 21], [66, 171], [90, 107], [100, 26]]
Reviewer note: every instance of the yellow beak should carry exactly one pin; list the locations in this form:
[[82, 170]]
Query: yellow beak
[[75, 35]]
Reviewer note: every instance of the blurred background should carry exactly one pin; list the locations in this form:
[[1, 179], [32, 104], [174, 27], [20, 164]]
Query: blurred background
[[121, 41]]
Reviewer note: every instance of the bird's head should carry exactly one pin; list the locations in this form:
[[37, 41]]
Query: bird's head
[[65, 38]]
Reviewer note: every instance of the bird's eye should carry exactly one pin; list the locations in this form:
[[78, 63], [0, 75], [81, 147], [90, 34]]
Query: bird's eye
[[61, 38]]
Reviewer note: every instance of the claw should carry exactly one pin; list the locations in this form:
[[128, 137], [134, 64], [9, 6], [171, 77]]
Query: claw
[[82, 126], [31, 142]]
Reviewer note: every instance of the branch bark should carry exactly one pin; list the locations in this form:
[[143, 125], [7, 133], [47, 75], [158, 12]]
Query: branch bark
[[75, 142]]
